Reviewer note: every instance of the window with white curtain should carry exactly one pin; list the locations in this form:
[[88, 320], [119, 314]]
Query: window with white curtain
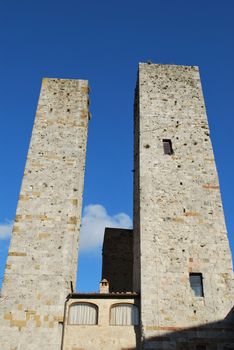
[[83, 313], [124, 315]]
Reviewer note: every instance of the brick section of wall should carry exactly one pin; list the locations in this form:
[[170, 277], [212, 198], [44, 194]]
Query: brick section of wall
[[179, 224], [42, 257], [117, 259]]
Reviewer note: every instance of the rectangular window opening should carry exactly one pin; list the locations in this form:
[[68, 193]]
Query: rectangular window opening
[[167, 146], [196, 284], [200, 347]]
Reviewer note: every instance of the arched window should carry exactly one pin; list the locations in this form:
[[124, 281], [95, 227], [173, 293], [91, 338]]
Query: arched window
[[124, 315], [83, 313]]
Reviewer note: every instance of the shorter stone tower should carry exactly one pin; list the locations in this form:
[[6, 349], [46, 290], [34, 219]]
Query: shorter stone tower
[[42, 259], [117, 259]]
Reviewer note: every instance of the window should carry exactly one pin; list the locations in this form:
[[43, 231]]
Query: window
[[200, 347], [83, 313], [124, 315], [167, 147], [196, 284]]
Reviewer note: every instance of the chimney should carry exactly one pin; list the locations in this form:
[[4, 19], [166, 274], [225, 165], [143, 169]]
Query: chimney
[[104, 286]]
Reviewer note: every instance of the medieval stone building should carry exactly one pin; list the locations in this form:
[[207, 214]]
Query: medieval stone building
[[168, 283]]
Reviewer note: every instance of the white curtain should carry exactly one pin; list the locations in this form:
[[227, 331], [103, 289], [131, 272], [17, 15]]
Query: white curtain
[[124, 315], [83, 313]]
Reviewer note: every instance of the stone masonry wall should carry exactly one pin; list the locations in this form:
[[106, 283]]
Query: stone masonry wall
[[179, 222], [117, 259], [42, 258]]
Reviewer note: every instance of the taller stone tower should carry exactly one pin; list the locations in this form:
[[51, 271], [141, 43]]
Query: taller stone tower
[[42, 259], [182, 260]]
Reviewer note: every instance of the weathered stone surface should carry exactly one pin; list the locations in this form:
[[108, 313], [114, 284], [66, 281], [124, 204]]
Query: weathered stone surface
[[178, 217], [42, 258]]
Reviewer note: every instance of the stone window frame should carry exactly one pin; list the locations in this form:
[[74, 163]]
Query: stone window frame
[[95, 306]]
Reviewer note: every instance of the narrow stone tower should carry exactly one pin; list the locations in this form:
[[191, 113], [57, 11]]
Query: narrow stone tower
[[42, 259], [182, 259]]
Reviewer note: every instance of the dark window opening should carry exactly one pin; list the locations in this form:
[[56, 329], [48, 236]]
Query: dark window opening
[[167, 147], [200, 347], [196, 284]]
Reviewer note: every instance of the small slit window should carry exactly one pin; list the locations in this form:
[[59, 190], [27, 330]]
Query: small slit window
[[167, 147], [124, 315], [196, 284], [83, 313]]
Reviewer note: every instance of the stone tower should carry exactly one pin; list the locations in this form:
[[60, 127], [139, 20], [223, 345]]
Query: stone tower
[[42, 259], [182, 260], [117, 259]]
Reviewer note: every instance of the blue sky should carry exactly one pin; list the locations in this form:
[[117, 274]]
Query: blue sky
[[103, 41]]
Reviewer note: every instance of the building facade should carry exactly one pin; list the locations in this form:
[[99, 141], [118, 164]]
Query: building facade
[[168, 284]]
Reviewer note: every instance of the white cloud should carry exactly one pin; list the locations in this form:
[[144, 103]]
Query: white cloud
[[94, 221], [5, 230]]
